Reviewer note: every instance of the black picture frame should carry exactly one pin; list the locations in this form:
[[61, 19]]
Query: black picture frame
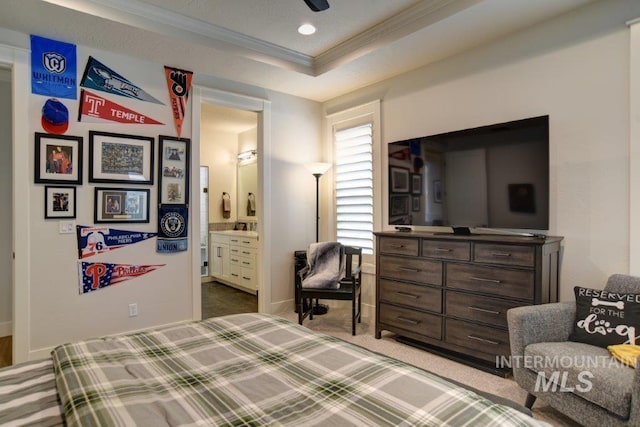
[[59, 202], [113, 205], [399, 179], [399, 204], [416, 183], [173, 170], [121, 158], [58, 159]]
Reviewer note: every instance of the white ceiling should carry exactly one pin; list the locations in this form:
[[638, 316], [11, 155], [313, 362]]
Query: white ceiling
[[358, 43]]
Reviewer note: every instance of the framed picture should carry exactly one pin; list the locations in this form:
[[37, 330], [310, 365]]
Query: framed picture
[[416, 183], [399, 179], [399, 205], [437, 191], [59, 202], [115, 157], [121, 205], [58, 159], [173, 170], [415, 203]]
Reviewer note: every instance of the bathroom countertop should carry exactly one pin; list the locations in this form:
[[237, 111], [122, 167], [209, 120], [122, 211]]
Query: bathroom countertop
[[244, 233]]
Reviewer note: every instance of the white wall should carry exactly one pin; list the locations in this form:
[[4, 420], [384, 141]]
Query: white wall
[[576, 70], [6, 312], [218, 150], [54, 311]]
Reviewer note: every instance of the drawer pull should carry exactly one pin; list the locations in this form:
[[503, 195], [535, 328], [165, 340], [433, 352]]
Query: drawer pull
[[413, 270], [234, 275], [234, 259], [405, 294], [395, 245], [484, 340], [246, 278], [246, 242], [443, 250], [501, 254], [481, 279], [246, 253], [405, 320], [484, 310], [246, 263]]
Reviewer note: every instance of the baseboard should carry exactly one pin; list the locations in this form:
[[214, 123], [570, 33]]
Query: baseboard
[[6, 329]]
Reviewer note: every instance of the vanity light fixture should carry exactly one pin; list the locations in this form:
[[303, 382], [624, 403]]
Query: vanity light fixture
[[306, 29], [248, 155]]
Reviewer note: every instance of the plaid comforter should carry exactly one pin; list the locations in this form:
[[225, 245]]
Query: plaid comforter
[[253, 369]]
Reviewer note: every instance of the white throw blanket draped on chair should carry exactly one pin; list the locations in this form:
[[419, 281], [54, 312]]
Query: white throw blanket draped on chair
[[326, 265]]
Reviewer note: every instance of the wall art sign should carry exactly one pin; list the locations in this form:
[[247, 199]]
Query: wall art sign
[[98, 275], [116, 157], [96, 240], [172, 228], [53, 68], [179, 85], [96, 109]]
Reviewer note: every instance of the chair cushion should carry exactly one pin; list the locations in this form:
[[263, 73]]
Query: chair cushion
[[605, 318], [584, 370]]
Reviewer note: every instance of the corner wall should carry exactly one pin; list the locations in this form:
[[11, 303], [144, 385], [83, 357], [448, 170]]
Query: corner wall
[[575, 69]]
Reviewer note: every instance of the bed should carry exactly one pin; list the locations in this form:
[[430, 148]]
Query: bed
[[247, 369]]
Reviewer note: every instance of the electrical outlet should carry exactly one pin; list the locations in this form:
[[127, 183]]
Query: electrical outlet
[[133, 309], [67, 227]]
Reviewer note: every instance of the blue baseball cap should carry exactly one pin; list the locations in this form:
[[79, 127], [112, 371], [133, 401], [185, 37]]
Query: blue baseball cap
[[55, 116]]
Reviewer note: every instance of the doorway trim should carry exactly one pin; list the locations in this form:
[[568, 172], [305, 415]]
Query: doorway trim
[[204, 95]]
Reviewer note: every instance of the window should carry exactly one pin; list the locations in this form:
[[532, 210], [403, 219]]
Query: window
[[354, 186]]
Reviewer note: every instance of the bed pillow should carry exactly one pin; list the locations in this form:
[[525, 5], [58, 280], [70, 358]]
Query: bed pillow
[[606, 318]]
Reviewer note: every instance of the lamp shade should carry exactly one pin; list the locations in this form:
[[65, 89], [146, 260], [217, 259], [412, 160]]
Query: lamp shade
[[318, 168]]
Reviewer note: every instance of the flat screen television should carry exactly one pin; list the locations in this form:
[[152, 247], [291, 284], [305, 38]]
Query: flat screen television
[[494, 176]]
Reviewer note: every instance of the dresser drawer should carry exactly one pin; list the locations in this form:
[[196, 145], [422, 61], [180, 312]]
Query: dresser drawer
[[483, 339], [492, 280], [460, 251], [478, 308], [247, 242], [412, 269], [504, 254], [423, 297], [426, 324], [399, 246]]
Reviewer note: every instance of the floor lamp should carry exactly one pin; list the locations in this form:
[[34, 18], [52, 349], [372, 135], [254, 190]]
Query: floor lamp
[[318, 169]]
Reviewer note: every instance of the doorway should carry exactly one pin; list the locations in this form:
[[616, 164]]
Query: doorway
[[6, 217], [205, 99]]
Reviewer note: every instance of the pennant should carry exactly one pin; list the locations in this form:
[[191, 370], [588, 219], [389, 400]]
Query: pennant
[[100, 77], [53, 68], [96, 240], [179, 84], [96, 109], [172, 228], [98, 275]]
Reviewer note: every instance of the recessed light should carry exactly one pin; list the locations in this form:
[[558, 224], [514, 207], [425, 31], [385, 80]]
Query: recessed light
[[306, 29]]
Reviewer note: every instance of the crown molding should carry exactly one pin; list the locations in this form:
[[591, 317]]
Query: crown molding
[[163, 21]]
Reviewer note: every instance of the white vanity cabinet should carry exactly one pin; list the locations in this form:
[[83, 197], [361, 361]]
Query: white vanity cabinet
[[233, 258], [219, 256], [243, 252]]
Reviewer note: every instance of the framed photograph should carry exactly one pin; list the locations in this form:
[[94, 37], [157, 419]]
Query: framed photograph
[[437, 191], [416, 183], [399, 179], [116, 157], [399, 205], [415, 203], [58, 159], [173, 170], [121, 205], [59, 202]]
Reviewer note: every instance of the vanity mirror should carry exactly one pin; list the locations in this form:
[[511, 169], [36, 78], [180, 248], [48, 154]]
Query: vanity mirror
[[247, 191]]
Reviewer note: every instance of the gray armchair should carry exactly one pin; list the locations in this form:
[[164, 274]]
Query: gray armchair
[[582, 381]]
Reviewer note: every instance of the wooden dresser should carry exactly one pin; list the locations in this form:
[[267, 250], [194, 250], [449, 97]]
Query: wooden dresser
[[450, 294]]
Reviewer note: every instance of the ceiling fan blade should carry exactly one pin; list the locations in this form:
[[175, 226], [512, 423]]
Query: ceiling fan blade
[[317, 5]]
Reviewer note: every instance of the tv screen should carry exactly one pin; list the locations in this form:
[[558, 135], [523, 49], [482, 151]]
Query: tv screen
[[494, 176]]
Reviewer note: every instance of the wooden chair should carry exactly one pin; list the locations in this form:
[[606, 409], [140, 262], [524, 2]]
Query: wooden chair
[[350, 289]]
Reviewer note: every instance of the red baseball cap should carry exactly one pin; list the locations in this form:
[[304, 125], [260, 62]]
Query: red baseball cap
[[55, 116]]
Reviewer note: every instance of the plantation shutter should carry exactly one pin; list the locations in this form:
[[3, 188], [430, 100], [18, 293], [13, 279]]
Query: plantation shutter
[[354, 186]]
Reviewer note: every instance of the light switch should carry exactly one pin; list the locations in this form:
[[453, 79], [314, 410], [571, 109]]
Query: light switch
[[67, 227]]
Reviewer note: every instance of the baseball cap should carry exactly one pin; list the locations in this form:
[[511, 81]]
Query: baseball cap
[[55, 116]]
